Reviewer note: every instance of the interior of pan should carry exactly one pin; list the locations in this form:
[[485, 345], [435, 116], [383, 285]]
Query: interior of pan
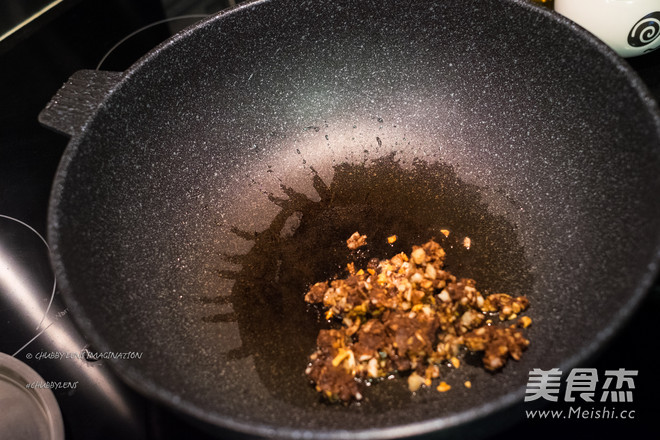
[[224, 174]]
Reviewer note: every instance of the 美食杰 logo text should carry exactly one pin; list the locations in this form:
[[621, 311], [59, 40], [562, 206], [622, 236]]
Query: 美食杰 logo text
[[591, 395]]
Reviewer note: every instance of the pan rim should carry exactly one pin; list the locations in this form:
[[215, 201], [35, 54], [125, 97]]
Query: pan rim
[[152, 391]]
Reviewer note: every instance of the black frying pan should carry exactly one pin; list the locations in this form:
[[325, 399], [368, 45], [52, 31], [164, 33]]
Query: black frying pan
[[209, 185]]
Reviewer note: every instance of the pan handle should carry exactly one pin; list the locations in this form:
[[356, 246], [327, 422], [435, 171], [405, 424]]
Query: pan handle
[[73, 104]]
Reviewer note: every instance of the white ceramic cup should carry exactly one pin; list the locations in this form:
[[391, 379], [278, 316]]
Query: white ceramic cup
[[630, 27]]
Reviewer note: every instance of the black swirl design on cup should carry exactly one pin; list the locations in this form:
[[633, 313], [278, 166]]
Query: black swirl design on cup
[[645, 31]]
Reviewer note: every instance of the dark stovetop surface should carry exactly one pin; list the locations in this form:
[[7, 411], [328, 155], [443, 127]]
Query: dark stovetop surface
[[76, 35]]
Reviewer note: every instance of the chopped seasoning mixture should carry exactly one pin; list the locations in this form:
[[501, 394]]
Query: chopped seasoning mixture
[[407, 315], [356, 240]]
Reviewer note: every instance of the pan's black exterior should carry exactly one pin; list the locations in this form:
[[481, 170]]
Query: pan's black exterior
[[219, 175]]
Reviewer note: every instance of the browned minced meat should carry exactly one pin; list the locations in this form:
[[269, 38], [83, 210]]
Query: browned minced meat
[[338, 383], [315, 294], [497, 343], [408, 315], [356, 240]]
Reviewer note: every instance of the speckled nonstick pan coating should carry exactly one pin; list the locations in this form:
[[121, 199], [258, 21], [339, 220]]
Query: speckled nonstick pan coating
[[207, 186]]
